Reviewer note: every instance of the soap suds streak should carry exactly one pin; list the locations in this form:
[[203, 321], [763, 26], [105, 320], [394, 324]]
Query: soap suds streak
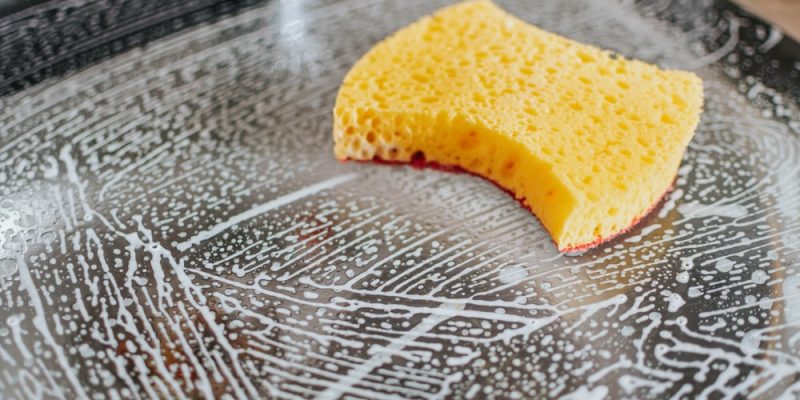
[[263, 208], [41, 324], [213, 125]]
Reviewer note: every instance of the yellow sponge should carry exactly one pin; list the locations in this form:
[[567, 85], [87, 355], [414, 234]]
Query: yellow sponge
[[588, 141]]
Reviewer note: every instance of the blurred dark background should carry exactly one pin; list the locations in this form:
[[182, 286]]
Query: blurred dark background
[[11, 6], [47, 38], [41, 39]]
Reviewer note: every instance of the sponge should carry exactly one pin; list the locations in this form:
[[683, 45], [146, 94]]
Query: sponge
[[585, 139]]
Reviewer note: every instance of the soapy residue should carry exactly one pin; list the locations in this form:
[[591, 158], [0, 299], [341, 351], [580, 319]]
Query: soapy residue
[[172, 224]]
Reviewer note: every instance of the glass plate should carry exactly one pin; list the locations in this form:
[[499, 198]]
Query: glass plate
[[173, 224]]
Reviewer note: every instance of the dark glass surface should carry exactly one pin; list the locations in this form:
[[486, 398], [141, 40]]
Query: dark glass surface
[[173, 223]]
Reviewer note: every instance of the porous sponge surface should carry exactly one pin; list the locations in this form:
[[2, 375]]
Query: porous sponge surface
[[587, 140]]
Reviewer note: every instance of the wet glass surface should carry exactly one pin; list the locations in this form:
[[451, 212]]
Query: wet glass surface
[[173, 224]]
